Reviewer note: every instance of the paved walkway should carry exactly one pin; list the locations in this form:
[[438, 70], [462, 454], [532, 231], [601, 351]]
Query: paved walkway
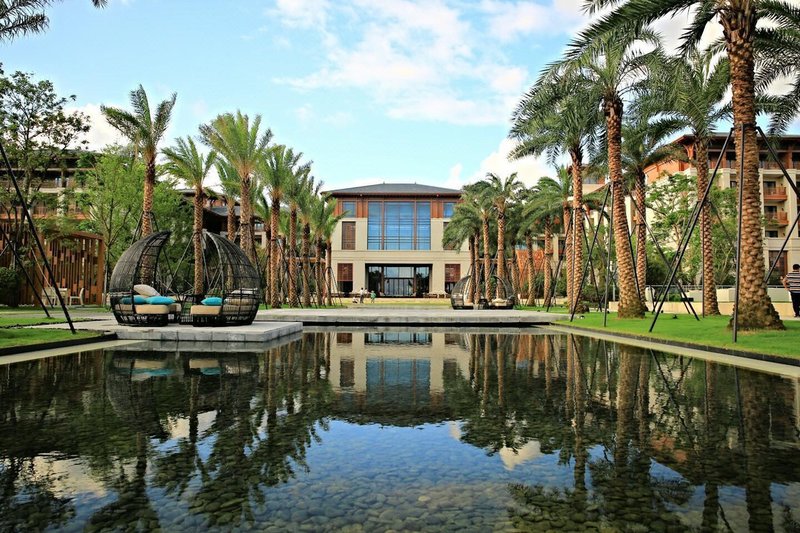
[[405, 316]]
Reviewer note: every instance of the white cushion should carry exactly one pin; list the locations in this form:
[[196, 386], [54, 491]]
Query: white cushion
[[148, 309], [145, 290], [205, 309]]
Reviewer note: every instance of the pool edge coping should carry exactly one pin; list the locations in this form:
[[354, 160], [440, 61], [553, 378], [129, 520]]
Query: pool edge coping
[[54, 345]]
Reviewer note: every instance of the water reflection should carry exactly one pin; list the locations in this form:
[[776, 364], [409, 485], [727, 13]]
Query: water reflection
[[396, 429]]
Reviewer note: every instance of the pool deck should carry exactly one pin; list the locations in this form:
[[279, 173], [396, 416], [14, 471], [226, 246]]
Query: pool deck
[[406, 316], [256, 332]]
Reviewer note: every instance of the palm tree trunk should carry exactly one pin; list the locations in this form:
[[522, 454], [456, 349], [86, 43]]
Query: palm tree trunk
[[268, 265], [548, 262], [306, 269], [290, 248], [319, 271], [275, 267], [515, 275], [245, 216], [501, 251], [531, 273], [328, 272], [198, 240], [567, 253], [710, 305], [755, 309], [147, 200], [472, 255], [577, 233], [476, 278], [231, 218], [486, 259], [641, 237], [630, 305]]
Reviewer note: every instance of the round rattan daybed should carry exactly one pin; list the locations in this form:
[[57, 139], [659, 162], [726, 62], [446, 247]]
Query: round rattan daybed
[[462, 293], [138, 268], [232, 282]]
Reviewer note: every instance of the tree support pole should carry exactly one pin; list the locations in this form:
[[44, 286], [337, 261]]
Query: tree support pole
[[688, 233], [610, 242], [591, 249], [35, 234], [558, 266], [6, 237]]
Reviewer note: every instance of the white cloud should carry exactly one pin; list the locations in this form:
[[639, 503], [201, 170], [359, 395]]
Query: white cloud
[[528, 169], [304, 113], [511, 20], [419, 60], [101, 133], [302, 13]]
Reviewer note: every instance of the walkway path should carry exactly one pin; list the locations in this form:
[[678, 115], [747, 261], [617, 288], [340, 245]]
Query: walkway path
[[407, 316]]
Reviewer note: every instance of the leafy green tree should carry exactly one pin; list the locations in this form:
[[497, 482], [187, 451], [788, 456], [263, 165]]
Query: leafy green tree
[[465, 226], [144, 130], [229, 181], [187, 164]]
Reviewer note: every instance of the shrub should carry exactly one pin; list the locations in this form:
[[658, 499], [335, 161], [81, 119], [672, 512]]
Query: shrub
[[9, 287]]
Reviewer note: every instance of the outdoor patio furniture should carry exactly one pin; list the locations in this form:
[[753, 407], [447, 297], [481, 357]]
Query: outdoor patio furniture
[[460, 297], [231, 276], [73, 300], [135, 279]]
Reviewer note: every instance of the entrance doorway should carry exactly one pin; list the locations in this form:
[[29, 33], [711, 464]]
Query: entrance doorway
[[399, 280]]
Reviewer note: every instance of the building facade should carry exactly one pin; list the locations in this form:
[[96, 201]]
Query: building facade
[[390, 240], [778, 200]]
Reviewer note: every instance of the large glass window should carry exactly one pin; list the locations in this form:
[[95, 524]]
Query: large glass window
[[448, 209], [399, 280], [399, 226]]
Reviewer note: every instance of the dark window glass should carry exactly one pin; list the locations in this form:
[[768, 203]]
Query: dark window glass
[[349, 209]]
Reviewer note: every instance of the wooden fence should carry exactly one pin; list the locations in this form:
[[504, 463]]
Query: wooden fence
[[78, 262]]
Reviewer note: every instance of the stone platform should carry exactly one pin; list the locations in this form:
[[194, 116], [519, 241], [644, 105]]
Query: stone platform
[[405, 316], [256, 332]]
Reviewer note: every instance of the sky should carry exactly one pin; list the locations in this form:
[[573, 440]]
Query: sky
[[369, 90]]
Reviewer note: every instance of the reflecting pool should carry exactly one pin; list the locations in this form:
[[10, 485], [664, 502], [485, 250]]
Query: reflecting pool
[[404, 430]]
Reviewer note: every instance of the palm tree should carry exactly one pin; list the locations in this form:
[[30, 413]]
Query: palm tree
[[693, 88], [466, 225], [740, 25], [323, 224], [23, 17], [277, 171], [307, 204], [241, 144], [144, 131], [229, 180], [549, 208], [473, 193], [499, 193], [295, 193], [642, 147], [553, 119], [612, 66], [186, 163], [778, 55]]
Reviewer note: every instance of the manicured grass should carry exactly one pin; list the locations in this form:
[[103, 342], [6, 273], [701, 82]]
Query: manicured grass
[[7, 321], [553, 308], [27, 336], [710, 331]]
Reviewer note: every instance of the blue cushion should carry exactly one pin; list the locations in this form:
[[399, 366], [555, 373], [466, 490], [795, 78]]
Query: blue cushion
[[212, 300], [138, 300], [160, 300]]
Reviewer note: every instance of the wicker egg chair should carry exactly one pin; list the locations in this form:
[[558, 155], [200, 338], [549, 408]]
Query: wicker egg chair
[[139, 265], [231, 276], [461, 295]]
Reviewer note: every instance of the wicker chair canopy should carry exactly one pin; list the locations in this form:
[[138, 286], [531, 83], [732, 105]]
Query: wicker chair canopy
[[501, 290], [138, 265], [230, 275]]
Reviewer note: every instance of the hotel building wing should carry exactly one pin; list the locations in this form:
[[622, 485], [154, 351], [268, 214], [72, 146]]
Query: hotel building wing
[[390, 240]]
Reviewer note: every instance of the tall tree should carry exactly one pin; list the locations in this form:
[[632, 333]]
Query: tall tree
[[307, 205], [186, 163], [473, 193], [694, 88], [553, 119], [740, 25], [295, 192], [242, 145], [612, 67], [229, 181], [277, 171], [643, 145], [465, 226], [144, 130], [323, 225], [499, 193], [24, 17]]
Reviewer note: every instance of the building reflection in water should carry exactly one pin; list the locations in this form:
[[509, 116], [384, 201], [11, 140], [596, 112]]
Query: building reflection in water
[[579, 432]]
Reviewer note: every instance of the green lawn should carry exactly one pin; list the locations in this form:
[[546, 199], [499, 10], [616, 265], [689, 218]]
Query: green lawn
[[10, 321], [710, 331], [26, 336], [553, 308]]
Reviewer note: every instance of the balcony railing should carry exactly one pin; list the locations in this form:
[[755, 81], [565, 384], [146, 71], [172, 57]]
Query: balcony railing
[[775, 194], [781, 218]]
